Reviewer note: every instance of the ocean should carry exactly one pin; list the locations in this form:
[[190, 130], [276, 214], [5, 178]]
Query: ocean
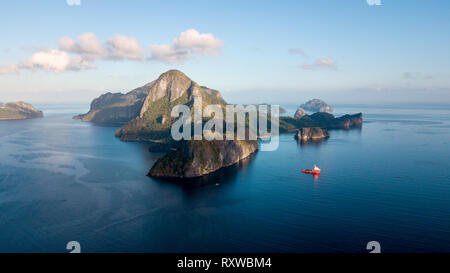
[[65, 180]]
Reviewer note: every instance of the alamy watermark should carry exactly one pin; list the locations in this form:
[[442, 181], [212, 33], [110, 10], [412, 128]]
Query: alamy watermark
[[373, 2], [73, 2], [374, 247], [247, 129], [74, 247]]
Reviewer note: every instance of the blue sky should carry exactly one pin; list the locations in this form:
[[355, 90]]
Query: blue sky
[[252, 51]]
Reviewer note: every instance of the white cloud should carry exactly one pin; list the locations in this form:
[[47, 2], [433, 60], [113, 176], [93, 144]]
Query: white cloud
[[322, 63], [168, 54], [87, 45], [203, 44], [123, 47], [73, 2], [373, 2], [189, 43], [56, 61], [9, 69], [77, 54]]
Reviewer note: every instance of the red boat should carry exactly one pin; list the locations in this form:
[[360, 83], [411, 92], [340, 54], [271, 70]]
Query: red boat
[[316, 170]]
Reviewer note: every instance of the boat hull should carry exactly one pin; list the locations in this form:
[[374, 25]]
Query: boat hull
[[311, 171]]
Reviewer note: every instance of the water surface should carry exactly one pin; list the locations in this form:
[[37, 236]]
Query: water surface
[[63, 180]]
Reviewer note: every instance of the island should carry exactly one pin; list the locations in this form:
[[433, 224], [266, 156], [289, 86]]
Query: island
[[316, 105], [18, 110], [144, 115], [321, 120], [196, 158]]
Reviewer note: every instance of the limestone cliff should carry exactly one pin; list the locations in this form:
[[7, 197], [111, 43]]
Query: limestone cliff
[[200, 157], [154, 120], [348, 122], [311, 133]]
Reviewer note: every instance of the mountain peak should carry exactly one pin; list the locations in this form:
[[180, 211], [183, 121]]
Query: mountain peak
[[171, 85], [173, 73], [158, 96]]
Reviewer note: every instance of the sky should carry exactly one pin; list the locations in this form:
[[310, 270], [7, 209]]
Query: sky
[[355, 51]]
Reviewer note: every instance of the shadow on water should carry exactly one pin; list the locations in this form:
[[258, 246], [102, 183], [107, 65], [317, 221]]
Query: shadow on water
[[311, 142], [347, 132], [352, 129], [222, 176]]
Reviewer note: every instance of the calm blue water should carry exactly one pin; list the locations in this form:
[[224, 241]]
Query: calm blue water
[[63, 180]]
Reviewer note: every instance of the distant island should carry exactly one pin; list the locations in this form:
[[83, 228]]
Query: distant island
[[144, 114], [316, 105], [116, 109], [321, 120], [18, 110]]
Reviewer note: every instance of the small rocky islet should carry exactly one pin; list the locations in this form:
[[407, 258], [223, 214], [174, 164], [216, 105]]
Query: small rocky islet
[[144, 115], [316, 105]]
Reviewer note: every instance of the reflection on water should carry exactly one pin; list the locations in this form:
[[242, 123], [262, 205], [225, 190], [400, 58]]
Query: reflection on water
[[353, 130], [311, 142], [315, 142], [315, 177]]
